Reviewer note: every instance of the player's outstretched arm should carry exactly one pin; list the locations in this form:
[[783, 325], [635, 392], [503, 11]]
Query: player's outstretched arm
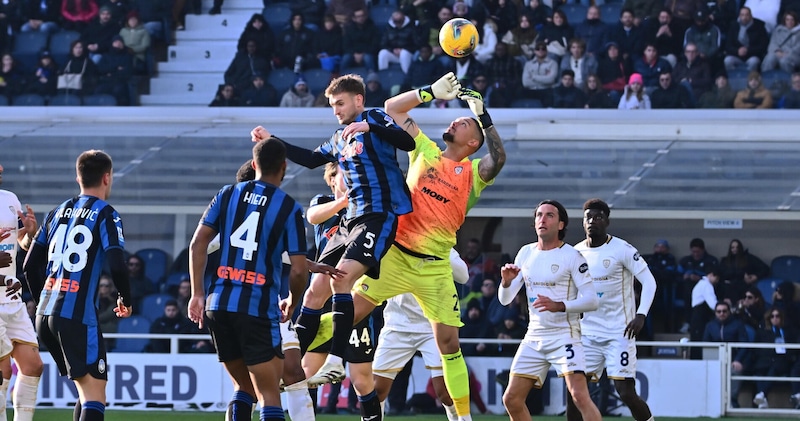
[[491, 164], [398, 106], [296, 154], [510, 283]]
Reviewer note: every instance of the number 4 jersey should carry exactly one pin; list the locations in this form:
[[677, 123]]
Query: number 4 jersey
[[77, 235]]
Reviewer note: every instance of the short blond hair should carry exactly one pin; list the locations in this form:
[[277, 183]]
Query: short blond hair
[[350, 83]]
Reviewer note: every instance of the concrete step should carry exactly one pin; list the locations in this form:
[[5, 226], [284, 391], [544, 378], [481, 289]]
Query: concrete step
[[191, 84], [183, 99], [217, 23], [227, 35], [235, 5], [190, 66], [201, 52]]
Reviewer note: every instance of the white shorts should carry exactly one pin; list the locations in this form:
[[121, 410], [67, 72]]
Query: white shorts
[[289, 337], [534, 358], [15, 326], [396, 348], [617, 355]]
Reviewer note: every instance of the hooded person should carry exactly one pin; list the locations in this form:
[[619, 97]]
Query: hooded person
[[298, 95]]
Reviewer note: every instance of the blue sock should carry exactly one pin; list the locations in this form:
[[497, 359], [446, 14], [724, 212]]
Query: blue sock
[[271, 413], [240, 407], [306, 326], [92, 411], [370, 406]]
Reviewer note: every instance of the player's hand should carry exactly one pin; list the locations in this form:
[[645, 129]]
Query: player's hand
[[28, 220], [324, 269], [259, 133], [354, 128], [197, 306], [122, 310], [474, 99], [287, 306], [5, 233], [636, 325], [13, 287], [446, 87], [5, 259], [544, 303], [508, 272]]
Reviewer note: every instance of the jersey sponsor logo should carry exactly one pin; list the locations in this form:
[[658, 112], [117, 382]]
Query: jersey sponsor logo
[[81, 213], [583, 268], [435, 195], [329, 233], [636, 256], [352, 149], [241, 275], [389, 120], [64, 285], [255, 199], [6, 247], [554, 268], [606, 263]]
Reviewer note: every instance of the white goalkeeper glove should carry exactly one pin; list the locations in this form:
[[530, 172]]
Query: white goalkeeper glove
[[446, 87], [475, 101]]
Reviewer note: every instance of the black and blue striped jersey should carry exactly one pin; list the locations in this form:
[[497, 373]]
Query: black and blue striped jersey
[[77, 234], [370, 168], [257, 222], [324, 231]]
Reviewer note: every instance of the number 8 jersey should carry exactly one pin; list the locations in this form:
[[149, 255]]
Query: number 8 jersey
[[78, 232]]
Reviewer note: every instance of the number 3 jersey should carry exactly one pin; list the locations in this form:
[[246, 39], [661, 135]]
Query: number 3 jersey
[[256, 222], [77, 235]]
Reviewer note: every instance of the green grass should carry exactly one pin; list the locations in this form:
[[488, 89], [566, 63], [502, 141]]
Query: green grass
[[150, 415]]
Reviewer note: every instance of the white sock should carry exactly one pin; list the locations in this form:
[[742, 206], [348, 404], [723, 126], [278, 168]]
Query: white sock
[[3, 392], [467, 417], [383, 409], [299, 401], [333, 359], [652, 418], [24, 397], [450, 410]]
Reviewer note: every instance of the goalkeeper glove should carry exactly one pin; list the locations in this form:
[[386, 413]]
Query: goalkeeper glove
[[445, 88], [475, 101]]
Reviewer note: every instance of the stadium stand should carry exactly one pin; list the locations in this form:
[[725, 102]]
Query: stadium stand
[[133, 324], [153, 306], [156, 262], [786, 268]]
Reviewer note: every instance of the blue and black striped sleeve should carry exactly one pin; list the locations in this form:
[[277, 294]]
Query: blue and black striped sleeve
[[305, 157], [384, 126]]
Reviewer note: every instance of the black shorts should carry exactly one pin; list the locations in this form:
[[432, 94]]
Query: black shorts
[[364, 239], [253, 339], [76, 348], [361, 343]]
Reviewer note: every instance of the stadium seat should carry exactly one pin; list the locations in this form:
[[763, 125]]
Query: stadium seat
[[133, 324], [380, 14], [575, 12], [767, 287], [64, 100], [526, 103], [156, 262], [3, 101], [281, 80], [277, 16], [100, 100], [153, 305], [26, 100], [361, 71], [173, 281], [391, 77], [317, 79], [28, 46], [786, 268], [737, 79], [609, 13], [59, 45]]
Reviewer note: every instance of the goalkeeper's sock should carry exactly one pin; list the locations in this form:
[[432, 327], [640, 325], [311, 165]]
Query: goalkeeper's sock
[[306, 326], [456, 379], [240, 407]]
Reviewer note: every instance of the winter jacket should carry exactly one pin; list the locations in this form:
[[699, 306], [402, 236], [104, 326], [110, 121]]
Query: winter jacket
[[757, 35], [759, 98], [698, 73], [404, 36], [293, 99], [540, 75], [361, 38], [137, 39]]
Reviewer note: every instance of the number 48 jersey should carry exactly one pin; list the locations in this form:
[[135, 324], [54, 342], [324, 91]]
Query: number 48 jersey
[[77, 235]]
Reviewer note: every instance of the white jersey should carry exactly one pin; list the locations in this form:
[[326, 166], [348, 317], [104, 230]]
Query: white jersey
[[403, 314], [557, 274], [613, 267], [9, 205]]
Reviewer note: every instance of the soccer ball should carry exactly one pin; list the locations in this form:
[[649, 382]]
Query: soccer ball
[[458, 37]]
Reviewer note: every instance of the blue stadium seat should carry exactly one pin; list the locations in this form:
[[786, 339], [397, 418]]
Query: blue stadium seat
[[65, 100], [156, 262], [277, 16], [391, 77], [786, 268], [767, 287], [361, 71], [380, 14], [174, 280], [3, 101], [133, 324], [575, 12], [281, 80], [100, 100], [526, 103], [30, 43], [317, 79], [60, 43], [26, 100], [609, 12], [737, 79], [153, 306]]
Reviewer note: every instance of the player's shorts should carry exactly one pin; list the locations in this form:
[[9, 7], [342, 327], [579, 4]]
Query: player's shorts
[[361, 343], [617, 355], [15, 326], [534, 358], [289, 338], [429, 279], [364, 239], [253, 339], [76, 348], [396, 348]]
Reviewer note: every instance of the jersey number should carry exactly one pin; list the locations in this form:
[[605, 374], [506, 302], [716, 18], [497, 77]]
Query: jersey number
[[370, 240], [624, 359], [244, 237], [570, 352], [69, 249], [356, 341]]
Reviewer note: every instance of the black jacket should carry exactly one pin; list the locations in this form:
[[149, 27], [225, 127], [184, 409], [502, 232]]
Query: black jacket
[[759, 40], [675, 96], [361, 38], [97, 33], [242, 69], [404, 36], [571, 97], [264, 38]]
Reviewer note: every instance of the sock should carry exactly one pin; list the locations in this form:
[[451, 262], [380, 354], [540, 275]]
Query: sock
[[371, 407], [300, 405], [450, 410], [272, 413], [93, 411], [383, 409], [306, 327], [456, 379], [651, 419], [76, 413], [3, 398], [24, 397], [342, 322], [240, 407], [324, 332]]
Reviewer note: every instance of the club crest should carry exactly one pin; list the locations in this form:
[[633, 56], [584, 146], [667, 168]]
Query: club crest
[[606, 263], [459, 170], [554, 268], [101, 366]]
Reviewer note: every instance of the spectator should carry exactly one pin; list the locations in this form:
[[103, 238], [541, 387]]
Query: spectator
[[490, 305], [626, 36], [45, 76], [704, 301], [106, 303], [670, 94], [612, 70], [693, 267], [328, 45], [399, 43], [747, 42], [722, 13], [738, 270], [634, 97], [120, 10], [258, 30], [313, 11], [183, 295], [642, 10], [173, 322], [115, 70], [666, 36], [137, 40], [521, 40], [592, 31], [706, 36], [693, 72], [154, 13], [298, 95], [97, 36], [375, 93], [751, 308], [430, 34], [12, 78], [539, 13], [580, 64], [773, 362], [479, 84], [361, 42], [720, 96], [76, 14], [567, 95], [478, 263], [343, 9], [422, 71], [466, 69], [509, 329], [41, 15], [141, 285], [783, 298], [783, 50], [476, 326], [10, 21], [726, 328], [295, 44], [755, 95], [539, 75], [596, 96], [765, 11], [244, 66], [226, 97], [664, 268], [78, 63], [260, 93], [651, 66], [683, 10], [487, 40], [791, 100], [504, 74], [504, 13], [556, 35]]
